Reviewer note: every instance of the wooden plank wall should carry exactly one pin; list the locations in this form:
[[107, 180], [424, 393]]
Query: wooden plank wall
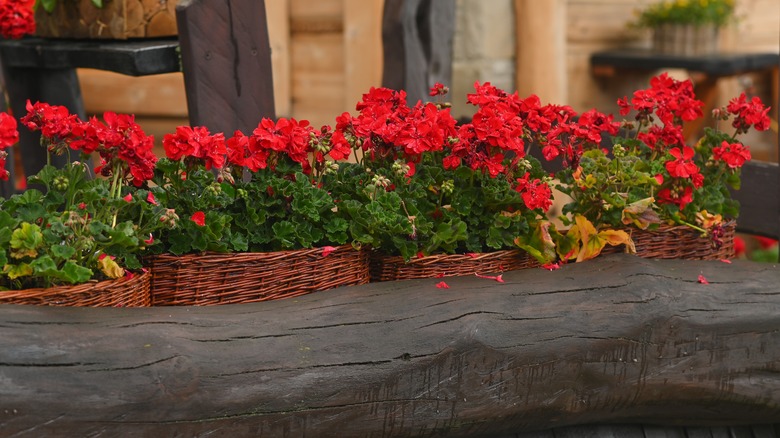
[[325, 55]]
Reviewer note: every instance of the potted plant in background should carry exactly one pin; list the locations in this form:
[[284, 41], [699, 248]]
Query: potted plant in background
[[431, 198], [673, 199], [256, 222], [79, 241], [686, 27]]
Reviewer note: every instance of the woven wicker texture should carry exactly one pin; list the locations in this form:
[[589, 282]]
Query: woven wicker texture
[[213, 279], [390, 268], [679, 242], [123, 292]]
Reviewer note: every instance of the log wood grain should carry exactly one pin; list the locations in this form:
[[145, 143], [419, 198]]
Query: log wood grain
[[620, 339]]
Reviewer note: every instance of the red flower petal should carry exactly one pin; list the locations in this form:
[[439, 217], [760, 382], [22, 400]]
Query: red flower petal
[[551, 266], [128, 198], [440, 275], [326, 250], [498, 278], [420, 255], [442, 285], [199, 218], [473, 255], [726, 261], [703, 280], [150, 240], [150, 199]]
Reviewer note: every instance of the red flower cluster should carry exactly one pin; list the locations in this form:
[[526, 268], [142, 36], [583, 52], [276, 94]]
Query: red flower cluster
[[198, 143], [17, 18], [270, 140], [570, 135], [672, 102], [122, 144], [748, 114], [733, 154], [9, 135], [387, 128], [494, 142]]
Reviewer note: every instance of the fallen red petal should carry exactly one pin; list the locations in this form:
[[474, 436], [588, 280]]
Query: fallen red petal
[[726, 261], [440, 275], [326, 250], [498, 278], [551, 266], [703, 280], [473, 255], [442, 285]]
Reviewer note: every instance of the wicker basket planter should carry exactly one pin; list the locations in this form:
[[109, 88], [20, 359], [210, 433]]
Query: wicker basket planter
[[123, 292], [680, 242], [686, 40], [391, 268], [213, 279], [117, 19]]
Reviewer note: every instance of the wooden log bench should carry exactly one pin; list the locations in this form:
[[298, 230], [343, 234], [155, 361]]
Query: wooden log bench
[[620, 340], [615, 347]]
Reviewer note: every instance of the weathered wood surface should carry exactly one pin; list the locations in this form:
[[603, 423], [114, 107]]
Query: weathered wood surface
[[226, 59], [759, 199], [133, 58], [621, 340], [417, 37]]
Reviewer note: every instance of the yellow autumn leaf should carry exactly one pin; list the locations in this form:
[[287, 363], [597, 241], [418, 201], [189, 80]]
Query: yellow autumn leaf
[[618, 237], [593, 241], [708, 220], [109, 267], [539, 244], [641, 213]]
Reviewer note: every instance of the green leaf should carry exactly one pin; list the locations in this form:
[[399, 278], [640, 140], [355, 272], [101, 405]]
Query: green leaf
[[285, 233], [97, 3], [74, 273], [48, 5], [26, 240], [17, 271], [62, 252], [45, 267]]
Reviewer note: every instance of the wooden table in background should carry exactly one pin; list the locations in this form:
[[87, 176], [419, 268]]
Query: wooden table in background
[[706, 71]]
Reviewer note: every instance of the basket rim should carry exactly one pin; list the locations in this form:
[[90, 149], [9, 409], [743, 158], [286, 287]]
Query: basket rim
[[449, 257]]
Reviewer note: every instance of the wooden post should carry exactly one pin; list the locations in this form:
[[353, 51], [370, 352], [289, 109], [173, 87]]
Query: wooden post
[[226, 58], [278, 13], [362, 48], [541, 49], [417, 37]]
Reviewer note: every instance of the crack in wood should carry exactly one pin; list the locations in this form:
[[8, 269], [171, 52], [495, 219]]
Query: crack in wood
[[347, 324], [459, 317], [136, 367], [333, 365], [243, 338]]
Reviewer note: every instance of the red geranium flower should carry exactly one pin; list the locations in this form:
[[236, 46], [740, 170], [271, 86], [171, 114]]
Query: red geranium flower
[[733, 154], [682, 166], [199, 218], [17, 18]]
